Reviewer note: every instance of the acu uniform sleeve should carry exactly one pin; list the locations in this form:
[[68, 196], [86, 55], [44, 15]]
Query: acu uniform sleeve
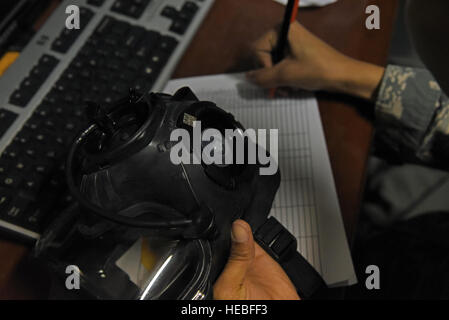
[[412, 115]]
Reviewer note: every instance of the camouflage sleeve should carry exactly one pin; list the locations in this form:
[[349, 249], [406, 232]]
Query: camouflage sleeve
[[412, 115]]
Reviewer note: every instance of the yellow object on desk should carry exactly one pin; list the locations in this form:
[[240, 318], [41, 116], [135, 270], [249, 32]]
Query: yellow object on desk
[[148, 258], [7, 60]]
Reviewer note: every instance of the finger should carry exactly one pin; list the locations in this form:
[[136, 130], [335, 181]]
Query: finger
[[241, 257], [267, 42], [269, 77], [264, 59], [263, 48]]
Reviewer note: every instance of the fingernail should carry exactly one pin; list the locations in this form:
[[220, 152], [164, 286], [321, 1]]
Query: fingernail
[[250, 74], [238, 233]]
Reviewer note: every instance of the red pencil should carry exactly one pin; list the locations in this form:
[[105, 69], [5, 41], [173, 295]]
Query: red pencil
[[291, 13], [295, 11]]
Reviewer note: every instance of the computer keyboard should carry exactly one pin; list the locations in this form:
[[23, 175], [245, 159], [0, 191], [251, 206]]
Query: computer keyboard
[[121, 44]]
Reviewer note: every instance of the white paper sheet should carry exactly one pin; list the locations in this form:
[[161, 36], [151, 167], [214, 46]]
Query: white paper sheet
[[130, 262], [310, 3], [306, 202]]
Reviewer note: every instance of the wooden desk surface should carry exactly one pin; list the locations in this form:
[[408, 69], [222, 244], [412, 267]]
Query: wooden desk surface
[[221, 46]]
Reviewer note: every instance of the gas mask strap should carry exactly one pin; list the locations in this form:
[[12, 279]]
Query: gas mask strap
[[189, 183], [203, 225], [281, 245]]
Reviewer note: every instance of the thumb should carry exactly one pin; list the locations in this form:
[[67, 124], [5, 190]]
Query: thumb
[[271, 77], [240, 259]]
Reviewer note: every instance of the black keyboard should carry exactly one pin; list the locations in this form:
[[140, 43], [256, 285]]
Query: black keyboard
[[116, 57], [121, 44]]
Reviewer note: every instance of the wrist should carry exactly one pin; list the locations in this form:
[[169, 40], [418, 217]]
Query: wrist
[[356, 78]]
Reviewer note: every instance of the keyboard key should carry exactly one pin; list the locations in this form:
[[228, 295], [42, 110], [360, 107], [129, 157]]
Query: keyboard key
[[103, 28], [15, 210], [112, 40], [85, 16], [120, 87], [141, 2], [190, 6], [131, 8], [7, 118], [20, 98], [21, 165], [48, 61], [52, 98], [152, 39], [127, 76], [30, 152], [119, 6], [61, 45], [135, 11], [40, 72], [185, 16], [23, 137], [43, 168], [9, 181], [31, 186], [143, 84], [30, 84], [12, 152], [134, 37], [96, 3], [135, 64], [179, 26], [169, 12], [120, 28], [122, 53], [159, 58], [33, 124], [4, 165], [5, 198], [168, 44], [35, 218]]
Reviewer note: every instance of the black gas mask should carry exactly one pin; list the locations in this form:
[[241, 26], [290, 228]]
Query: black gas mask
[[176, 218]]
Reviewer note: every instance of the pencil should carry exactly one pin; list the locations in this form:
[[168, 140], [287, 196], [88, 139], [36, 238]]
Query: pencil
[[291, 12]]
